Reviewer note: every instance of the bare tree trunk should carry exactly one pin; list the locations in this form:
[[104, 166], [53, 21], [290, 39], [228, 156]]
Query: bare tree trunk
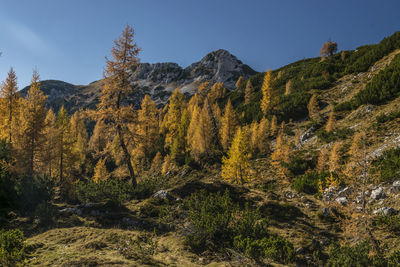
[[127, 156]]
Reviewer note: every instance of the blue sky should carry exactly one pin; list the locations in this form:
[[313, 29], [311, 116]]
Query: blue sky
[[68, 40]]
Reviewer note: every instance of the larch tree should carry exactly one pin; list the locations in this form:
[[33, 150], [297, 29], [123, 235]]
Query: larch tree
[[248, 92], [330, 124], [254, 138], [172, 118], [229, 124], [9, 104], [156, 163], [100, 171], [239, 81], [281, 154], [263, 143], [274, 126], [313, 108], [323, 159], [80, 141], [98, 140], [32, 122], [64, 150], [218, 91], [334, 159], [288, 87], [147, 128], [328, 49], [111, 109], [270, 97], [49, 151], [235, 168]]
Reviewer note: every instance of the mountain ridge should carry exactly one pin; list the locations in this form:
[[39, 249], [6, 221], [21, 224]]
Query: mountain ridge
[[158, 80]]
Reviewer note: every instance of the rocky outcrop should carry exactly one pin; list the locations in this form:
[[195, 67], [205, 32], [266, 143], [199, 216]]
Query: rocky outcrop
[[158, 80]]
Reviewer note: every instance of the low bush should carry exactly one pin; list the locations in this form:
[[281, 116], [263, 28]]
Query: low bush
[[387, 165], [113, 190], [391, 223], [332, 136], [12, 247], [219, 223], [298, 165], [32, 191], [308, 182], [389, 117]]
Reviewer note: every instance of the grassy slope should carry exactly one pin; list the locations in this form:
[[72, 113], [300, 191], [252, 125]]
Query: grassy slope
[[88, 240]]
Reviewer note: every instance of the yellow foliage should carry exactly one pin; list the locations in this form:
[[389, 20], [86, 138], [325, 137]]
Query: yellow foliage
[[313, 108], [330, 124], [288, 87], [248, 92], [270, 97], [334, 159], [332, 181], [239, 81], [229, 123], [100, 171], [322, 159], [235, 168], [274, 125]]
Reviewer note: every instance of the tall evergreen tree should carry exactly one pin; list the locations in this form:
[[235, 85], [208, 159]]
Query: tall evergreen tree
[[9, 104], [111, 108], [32, 122], [229, 124], [270, 97], [235, 168]]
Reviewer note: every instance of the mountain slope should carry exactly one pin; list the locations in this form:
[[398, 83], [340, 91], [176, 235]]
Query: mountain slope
[[158, 80]]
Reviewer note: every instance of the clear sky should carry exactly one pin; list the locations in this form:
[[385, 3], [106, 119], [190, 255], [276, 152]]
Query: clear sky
[[68, 40]]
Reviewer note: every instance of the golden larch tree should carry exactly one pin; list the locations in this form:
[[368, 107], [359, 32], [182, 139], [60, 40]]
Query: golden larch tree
[[288, 87], [239, 81], [229, 123], [147, 128], [80, 141], [117, 86], [263, 143], [49, 152], [334, 159], [274, 125], [323, 159], [172, 118], [235, 168], [100, 171], [248, 92], [218, 91], [330, 124], [270, 97], [313, 108], [9, 105], [98, 140], [32, 122]]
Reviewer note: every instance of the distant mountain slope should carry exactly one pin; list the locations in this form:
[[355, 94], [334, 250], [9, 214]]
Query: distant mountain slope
[[158, 80]]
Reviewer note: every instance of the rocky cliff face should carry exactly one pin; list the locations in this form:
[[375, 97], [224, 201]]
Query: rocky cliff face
[[158, 80]]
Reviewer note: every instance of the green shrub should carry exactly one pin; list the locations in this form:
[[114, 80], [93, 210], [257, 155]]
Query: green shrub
[[45, 212], [12, 247], [391, 223], [298, 165], [394, 259], [385, 118], [387, 165], [210, 215], [141, 248], [308, 182], [148, 186], [357, 255], [31, 191], [332, 136], [219, 223], [114, 190]]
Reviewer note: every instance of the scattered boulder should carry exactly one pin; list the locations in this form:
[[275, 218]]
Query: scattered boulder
[[300, 250], [308, 133], [76, 211], [385, 211], [162, 194], [344, 192], [342, 200], [377, 194]]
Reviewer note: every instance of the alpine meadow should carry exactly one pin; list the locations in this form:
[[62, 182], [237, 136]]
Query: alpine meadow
[[212, 164]]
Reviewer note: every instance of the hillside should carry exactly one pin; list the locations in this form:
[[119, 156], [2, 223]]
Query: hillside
[[287, 204]]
